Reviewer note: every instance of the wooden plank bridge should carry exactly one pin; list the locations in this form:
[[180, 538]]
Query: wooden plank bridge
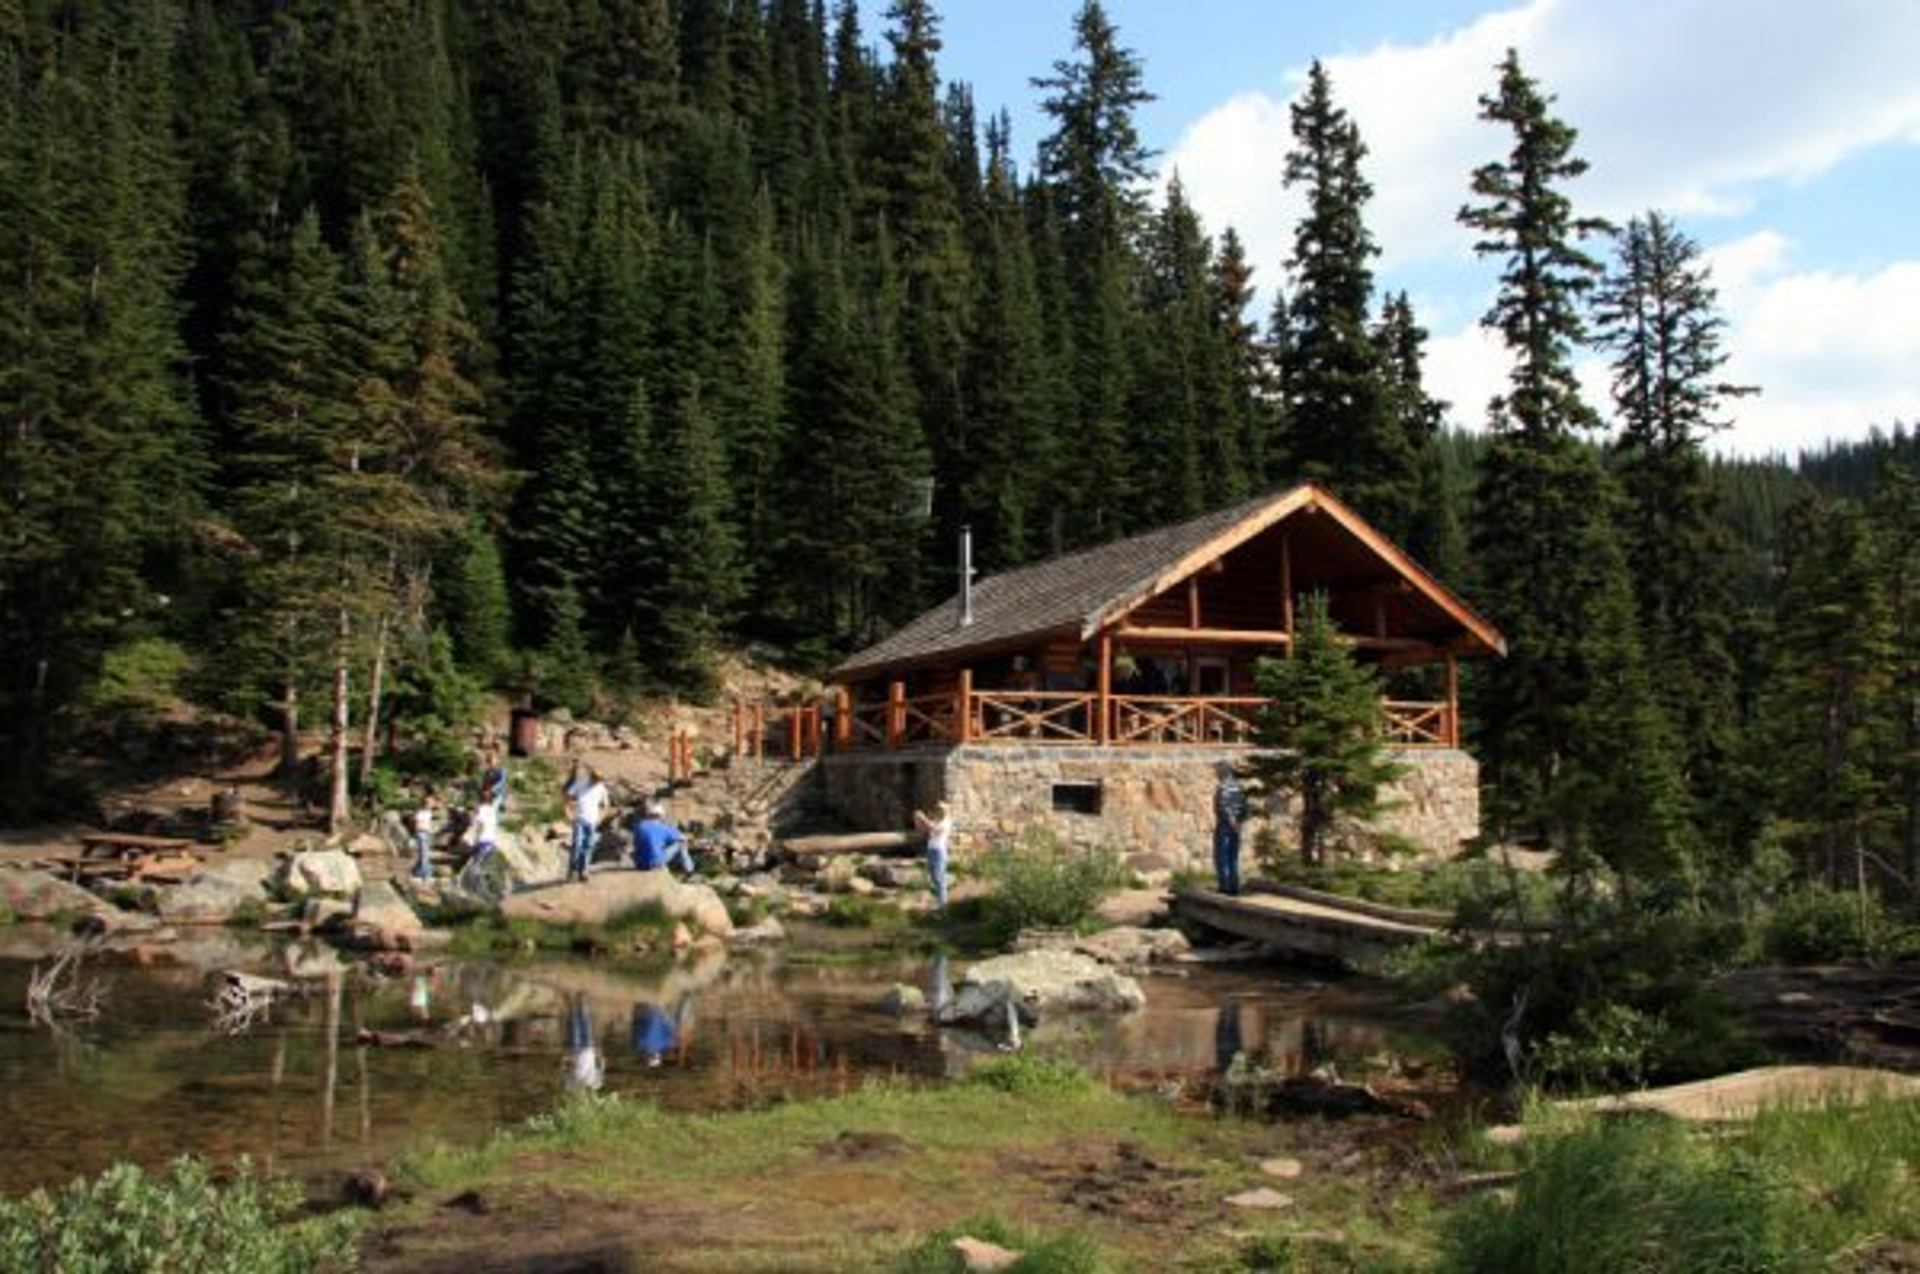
[[1308, 922]]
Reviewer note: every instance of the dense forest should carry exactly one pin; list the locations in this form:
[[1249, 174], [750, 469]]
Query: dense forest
[[358, 355]]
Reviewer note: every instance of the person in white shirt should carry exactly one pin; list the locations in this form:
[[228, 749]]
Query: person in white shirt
[[939, 831], [589, 797], [423, 820]]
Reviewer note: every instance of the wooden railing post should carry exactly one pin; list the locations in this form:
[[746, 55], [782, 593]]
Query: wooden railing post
[[759, 729], [1453, 702], [793, 733], [1103, 706], [739, 726], [896, 712], [842, 718], [963, 708]]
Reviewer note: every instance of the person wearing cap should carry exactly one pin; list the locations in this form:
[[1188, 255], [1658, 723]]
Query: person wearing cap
[[658, 843], [939, 833], [1229, 812]]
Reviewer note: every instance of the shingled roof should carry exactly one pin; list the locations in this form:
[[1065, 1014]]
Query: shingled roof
[[1079, 592]]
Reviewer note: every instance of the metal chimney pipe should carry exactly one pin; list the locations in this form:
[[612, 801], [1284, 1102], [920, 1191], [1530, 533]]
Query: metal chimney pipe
[[966, 576]]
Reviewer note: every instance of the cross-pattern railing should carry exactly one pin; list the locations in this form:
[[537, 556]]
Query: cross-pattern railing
[[1074, 717]]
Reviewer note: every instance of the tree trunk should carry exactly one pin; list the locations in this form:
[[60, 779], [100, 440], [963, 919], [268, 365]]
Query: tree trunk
[[369, 743], [289, 728], [338, 807]]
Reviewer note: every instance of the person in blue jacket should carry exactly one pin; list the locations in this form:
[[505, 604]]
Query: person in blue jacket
[[658, 843], [1229, 812]]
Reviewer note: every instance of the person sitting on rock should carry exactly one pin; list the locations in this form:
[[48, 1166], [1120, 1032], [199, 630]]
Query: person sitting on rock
[[658, 843]]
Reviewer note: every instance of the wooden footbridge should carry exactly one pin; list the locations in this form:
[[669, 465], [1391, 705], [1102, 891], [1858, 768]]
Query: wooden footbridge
[[1308, 922]]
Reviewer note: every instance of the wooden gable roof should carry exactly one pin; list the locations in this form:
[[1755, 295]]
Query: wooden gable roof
[[1080, 593]]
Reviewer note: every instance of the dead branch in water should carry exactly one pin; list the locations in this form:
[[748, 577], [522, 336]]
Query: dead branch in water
[[244, 999], [59, 994]]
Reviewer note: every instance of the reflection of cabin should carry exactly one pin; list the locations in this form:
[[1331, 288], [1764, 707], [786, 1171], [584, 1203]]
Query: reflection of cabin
[[1149, 644]]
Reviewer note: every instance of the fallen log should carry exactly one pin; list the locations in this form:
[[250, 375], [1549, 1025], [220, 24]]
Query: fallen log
[[852, 843]]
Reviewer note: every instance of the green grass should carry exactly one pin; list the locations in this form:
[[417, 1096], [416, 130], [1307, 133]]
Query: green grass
[[1039, 1253], [1796, 1190], [853, 911], [645, 929], [1473, 884]]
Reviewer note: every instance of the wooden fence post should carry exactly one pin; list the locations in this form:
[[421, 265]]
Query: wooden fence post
[[896, 712], [793, 733], [842, 718], [759, 729], [1453, 702], [963, 708], [1103, 708]]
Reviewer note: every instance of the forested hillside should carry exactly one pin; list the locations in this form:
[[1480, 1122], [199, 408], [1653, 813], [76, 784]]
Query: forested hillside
[[360, 355]]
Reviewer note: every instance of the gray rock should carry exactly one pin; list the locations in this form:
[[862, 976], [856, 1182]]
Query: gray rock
[[532, 860], [325, 871], [902, 1000], [383, 919], [1037, 984], [861, 887], [836, 875], [1133, 948], [607, 894], [39, 895], [893, 874], [212, 895], [320, 913]]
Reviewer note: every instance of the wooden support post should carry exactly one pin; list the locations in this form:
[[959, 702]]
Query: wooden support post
[[842, 718], [1103, 707], [759, 729], [739, 726], [1193, 601], [1286, 589], [963, 708], [1453, 701], [896, 712]]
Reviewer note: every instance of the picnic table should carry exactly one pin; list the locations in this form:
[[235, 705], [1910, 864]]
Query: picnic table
[[131, 856]]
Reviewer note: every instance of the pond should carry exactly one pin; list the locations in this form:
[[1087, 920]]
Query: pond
[[497, 1042]]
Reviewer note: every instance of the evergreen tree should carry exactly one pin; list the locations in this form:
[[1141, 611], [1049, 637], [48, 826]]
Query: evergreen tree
[[1655, 312], [693, 552], [1343, 428], [1550, 569], [1896, 514], [1319, 736], [1094, 164]]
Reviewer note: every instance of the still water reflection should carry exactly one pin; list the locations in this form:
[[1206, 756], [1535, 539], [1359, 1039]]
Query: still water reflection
[[357, 1070]]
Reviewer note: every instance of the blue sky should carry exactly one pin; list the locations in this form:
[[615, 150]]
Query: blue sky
[[1783, 135]]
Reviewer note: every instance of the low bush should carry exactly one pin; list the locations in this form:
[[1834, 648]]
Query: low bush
[[853, 911], [1820, 926], [1030, 1075], [176, 1221], [1039, 881]]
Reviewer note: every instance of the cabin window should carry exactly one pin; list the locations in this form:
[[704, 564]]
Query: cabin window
[[1076, 798]]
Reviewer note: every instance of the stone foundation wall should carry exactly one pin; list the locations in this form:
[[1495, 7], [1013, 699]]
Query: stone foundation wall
[[1150, 800]]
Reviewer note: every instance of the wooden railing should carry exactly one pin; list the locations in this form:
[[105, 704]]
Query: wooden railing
[[1073, 717], [789, 731], [1184, 719], [1412, 723]]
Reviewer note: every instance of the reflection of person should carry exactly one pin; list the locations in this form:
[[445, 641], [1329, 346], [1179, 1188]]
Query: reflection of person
[[420, 997], [1227, 1042], [939, 985], [939, 830], [586, 1069], [1229, 812], [658, 843], [654, 1032], [588, 796]]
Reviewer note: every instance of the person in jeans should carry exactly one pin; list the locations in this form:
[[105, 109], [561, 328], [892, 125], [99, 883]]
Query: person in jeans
[[423, 820], [939, 833], [658, 843], [1229, 812], [588, 797]]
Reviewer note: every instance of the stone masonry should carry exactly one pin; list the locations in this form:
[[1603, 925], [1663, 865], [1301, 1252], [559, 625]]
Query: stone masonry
[[1155, 799]]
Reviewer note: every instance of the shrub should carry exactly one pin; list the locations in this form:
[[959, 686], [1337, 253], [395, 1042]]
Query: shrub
[[1821, 926], [1039, 881], [1030, 1075], [853, 911], [126, 1219]]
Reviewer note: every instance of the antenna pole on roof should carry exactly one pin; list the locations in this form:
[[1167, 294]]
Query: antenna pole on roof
[[966, 576]]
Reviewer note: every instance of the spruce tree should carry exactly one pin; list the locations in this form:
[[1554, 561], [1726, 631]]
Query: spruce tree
[[1550, 569], [694, 555], [1319, 735], [1655, 313], [1343, 428]]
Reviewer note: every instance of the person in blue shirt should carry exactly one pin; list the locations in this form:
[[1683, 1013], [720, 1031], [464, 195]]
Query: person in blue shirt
[[658, 843], [1229, 812]]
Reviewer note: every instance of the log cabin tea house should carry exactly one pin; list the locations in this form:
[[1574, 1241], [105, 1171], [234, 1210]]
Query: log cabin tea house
[[1095, 693]]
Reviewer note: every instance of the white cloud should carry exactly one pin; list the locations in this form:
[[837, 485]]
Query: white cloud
[[1831, 352], [1684, 105], [1690, 106]]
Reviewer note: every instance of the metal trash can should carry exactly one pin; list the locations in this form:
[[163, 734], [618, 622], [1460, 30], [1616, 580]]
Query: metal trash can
[[523, 732]]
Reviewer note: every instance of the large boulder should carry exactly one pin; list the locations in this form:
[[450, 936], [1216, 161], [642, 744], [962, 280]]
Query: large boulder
[[1038, 984], [212, 895], [39, 895], [533, 858], [383, 919], [607, 895], [330, 872]]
